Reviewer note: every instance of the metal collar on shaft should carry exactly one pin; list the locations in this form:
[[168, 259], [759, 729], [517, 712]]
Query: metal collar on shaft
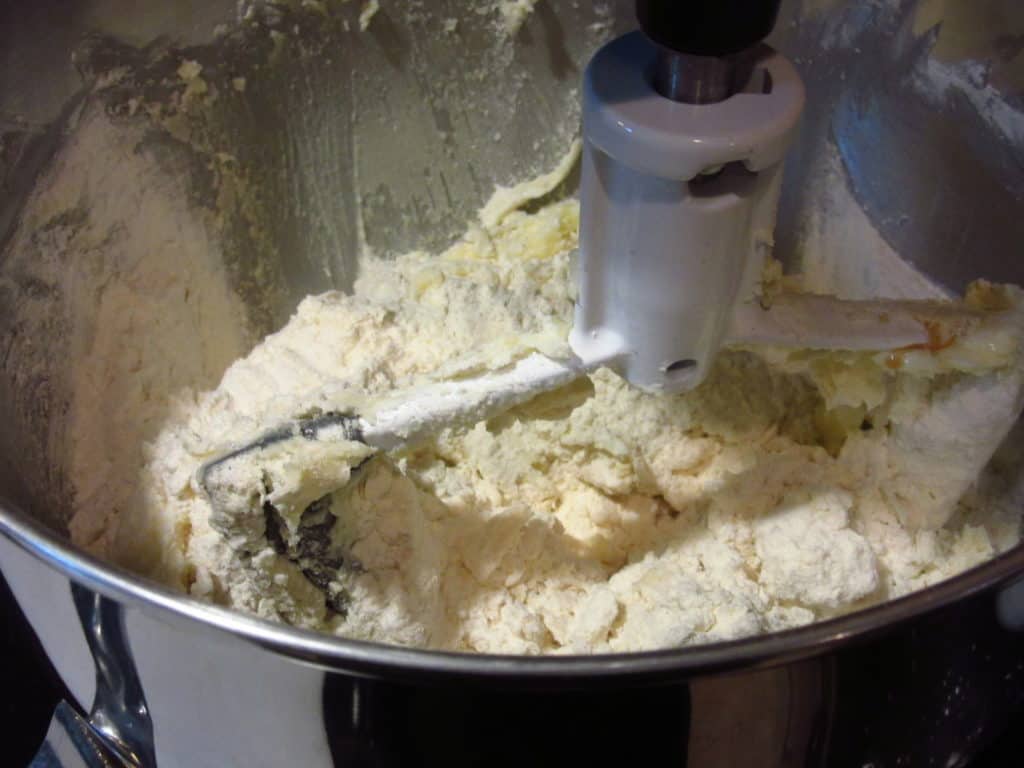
[[702, 44], [694, 79]]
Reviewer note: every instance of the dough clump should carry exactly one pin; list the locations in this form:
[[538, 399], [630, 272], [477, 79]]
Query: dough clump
[[787, 488]]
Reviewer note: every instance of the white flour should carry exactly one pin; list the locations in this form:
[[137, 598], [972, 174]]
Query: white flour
[[141, 282]]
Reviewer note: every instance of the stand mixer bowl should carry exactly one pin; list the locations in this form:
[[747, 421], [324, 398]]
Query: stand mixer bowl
[[911, 153]]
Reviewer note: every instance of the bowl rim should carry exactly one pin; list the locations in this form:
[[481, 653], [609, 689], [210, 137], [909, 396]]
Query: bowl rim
[[370, 659]]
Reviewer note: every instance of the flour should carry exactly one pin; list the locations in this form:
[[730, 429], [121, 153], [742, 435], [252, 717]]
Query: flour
[[366, 14], [111, 231], [512, 14], [593, 518]]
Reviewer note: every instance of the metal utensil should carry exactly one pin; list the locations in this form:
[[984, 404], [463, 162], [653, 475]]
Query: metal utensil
[[801, 321]]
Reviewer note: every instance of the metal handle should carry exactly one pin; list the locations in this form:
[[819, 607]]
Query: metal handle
[[118, 731], [71, 742]]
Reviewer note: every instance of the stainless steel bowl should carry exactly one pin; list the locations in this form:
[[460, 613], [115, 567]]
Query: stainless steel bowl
[[387, 137]]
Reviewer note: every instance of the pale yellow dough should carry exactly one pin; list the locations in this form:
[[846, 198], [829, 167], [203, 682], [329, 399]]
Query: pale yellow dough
[[595, 518]]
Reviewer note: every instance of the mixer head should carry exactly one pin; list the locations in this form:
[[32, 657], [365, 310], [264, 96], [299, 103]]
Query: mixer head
[[685, 126]]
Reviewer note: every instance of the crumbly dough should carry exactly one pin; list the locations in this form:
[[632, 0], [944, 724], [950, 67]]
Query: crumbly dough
[[787, 488]]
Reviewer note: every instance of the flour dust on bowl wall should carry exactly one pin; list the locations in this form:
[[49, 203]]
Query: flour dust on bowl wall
[[318, 205]]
